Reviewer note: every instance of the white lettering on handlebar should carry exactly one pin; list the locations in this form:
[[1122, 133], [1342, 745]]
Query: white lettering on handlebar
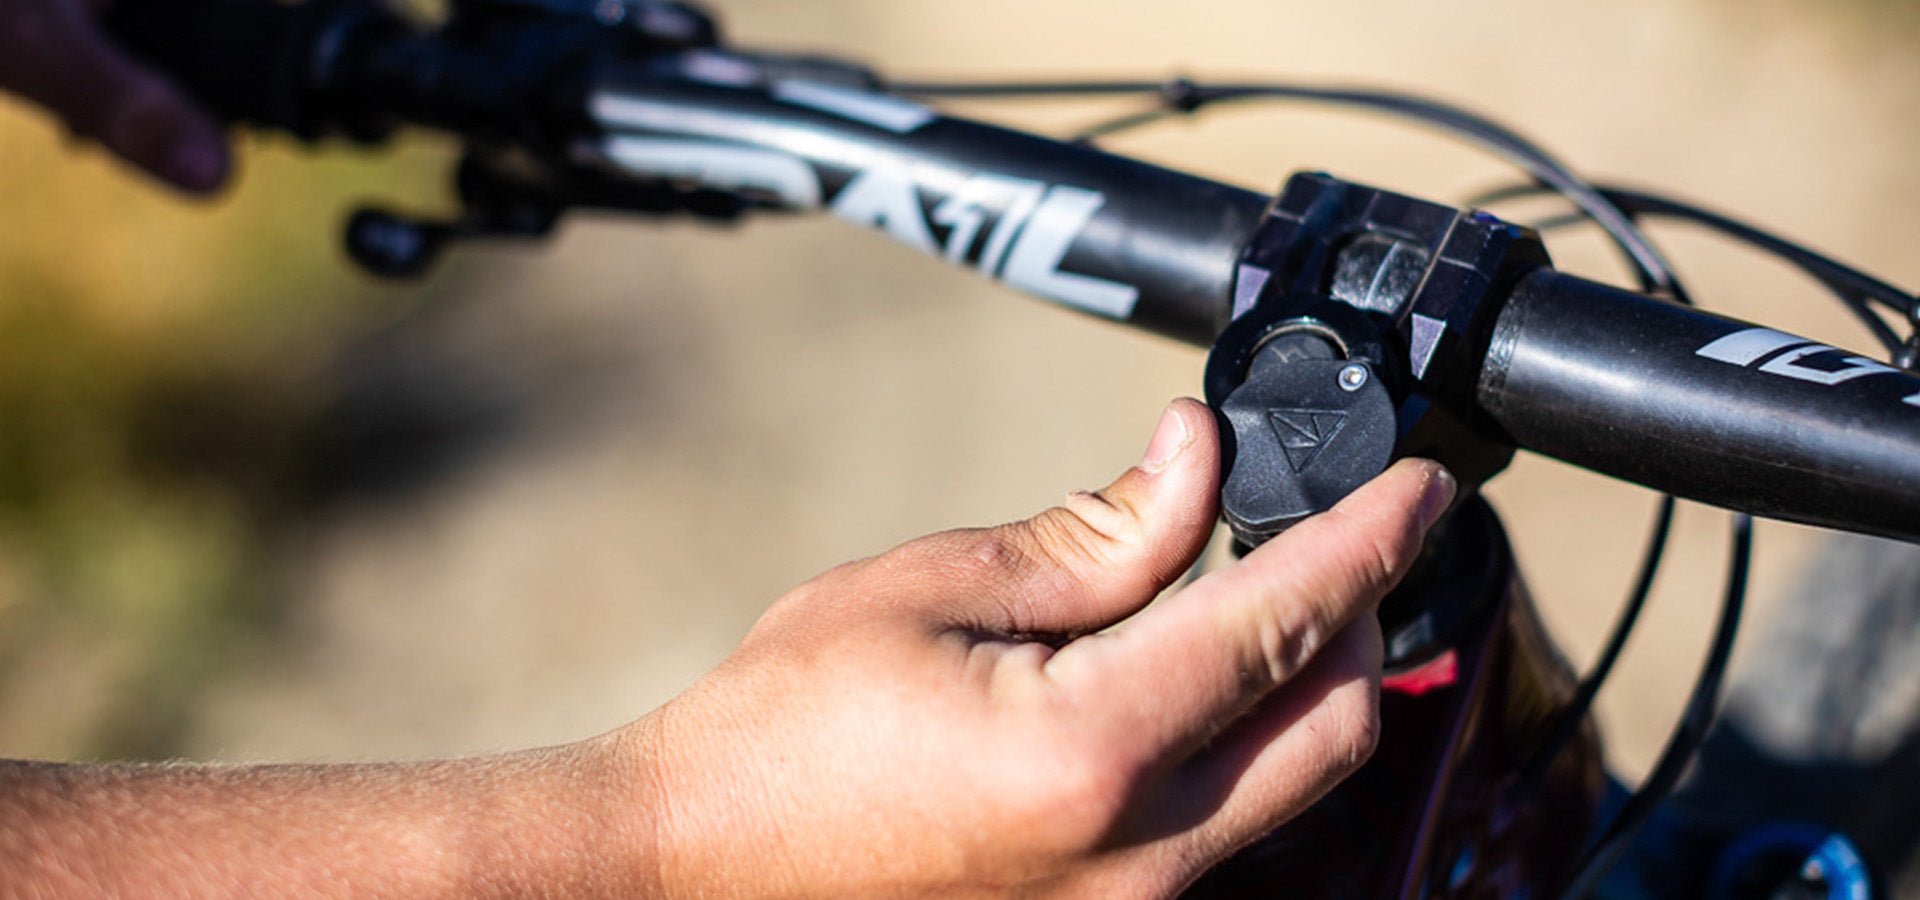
[[1034, 227], [1744, 348], [884, 111], [1015, 229], [967, 209], [1043, 245], [725, 167], [1788, 364], [883, 197], [1788, 358]]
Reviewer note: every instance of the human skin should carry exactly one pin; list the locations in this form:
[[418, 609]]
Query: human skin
[[983, 711], [52, 54]]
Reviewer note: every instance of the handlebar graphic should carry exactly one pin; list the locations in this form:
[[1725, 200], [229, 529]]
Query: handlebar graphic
[[1101, 233]]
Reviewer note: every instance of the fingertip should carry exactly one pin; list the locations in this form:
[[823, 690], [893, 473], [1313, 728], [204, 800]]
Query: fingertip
[[1175, 489], [1170, 438], [1437, 494], [1432, 486], [1421, 485], [155, 128], [1184, 425], [1176, 482], [198, 163], [1197, 415]]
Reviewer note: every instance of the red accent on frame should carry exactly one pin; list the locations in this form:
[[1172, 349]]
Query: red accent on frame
[[1442, 672]]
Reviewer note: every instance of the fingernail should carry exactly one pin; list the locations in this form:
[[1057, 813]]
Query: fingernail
[[196, 165], [1169, 438], [1437, 496]]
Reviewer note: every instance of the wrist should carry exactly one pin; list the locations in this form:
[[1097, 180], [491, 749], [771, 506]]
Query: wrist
[[570, 821], [620, 782]]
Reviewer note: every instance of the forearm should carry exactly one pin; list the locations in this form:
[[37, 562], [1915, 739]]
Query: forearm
[[548, 823]]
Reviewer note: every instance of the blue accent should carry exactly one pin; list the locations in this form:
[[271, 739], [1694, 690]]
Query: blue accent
[[1846, 872], [1838, 860]]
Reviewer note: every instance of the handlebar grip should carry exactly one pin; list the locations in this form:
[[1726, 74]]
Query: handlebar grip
[[247, 61], [1706, 407]]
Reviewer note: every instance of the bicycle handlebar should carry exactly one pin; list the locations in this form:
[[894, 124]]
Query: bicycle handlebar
[[1701, 406], [1101, 233], [1706, 407]]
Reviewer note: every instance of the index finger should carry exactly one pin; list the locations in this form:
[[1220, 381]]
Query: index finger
[[52, 53], [1186, 667]]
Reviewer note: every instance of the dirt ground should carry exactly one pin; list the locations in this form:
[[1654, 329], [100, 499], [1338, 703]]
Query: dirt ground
[[709, 417]]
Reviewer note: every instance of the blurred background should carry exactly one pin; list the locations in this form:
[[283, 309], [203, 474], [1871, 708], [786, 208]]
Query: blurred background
[[254, 505]]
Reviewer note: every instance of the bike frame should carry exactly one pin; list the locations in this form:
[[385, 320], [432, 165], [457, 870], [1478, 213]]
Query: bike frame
[[1435, 811]]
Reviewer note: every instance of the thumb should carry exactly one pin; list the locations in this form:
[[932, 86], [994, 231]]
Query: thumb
[[52, 54], [1092, 561], [1199, 660]]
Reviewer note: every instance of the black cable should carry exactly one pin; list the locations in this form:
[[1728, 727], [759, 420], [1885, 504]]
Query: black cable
[[1119, 124], [1686, 739], [1575, 713], [1182, 96]]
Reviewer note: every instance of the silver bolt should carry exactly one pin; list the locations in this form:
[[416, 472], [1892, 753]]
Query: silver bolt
[[610, 12], [1354, 377]]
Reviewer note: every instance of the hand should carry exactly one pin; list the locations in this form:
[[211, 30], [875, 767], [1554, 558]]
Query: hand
[[961, 715], [52, 53]]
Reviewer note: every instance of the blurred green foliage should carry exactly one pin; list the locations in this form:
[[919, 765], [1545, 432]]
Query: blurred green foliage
[[157, 357]]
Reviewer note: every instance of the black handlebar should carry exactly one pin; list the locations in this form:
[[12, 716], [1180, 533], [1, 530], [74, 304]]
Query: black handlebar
[[1697, 405], [1706, 407], [1097, 232]]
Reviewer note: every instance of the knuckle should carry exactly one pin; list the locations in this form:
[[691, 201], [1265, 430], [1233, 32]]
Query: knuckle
[[988, 553], [1088, 527], [1067, 788], [968, 556], [1106, 513], [965, 556], [818, 595], [1103, 780], [780, 616], [1377, 566], [1356, 732], [1286, 643], [1373, 554], [991, 556], [1394, 548], [1087, 797]]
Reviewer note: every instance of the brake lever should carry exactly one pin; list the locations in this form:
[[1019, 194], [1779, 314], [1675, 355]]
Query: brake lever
[[512, 196]]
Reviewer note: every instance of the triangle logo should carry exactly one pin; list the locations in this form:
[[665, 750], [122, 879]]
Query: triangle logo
[[1303, 433]]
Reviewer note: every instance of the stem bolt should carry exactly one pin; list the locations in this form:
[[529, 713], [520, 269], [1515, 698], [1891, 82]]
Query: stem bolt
[[1354, 377]]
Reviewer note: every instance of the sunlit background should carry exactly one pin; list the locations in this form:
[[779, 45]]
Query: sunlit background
[[254, 505]]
